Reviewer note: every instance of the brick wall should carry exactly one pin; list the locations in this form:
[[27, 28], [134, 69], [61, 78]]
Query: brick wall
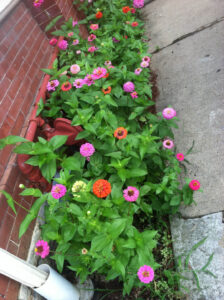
[[24, 50]]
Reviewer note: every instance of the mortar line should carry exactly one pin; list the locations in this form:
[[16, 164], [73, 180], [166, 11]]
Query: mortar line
[[190, 34]]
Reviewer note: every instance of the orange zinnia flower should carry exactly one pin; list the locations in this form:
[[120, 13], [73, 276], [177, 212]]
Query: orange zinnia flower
[[107, 75], [101, 188], [120, 133], [107, 90], [99, 15], [125, 9]]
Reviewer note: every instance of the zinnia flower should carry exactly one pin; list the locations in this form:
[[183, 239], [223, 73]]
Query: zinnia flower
[[99, 73], [107, 63], [146, 58], [134, 24], [107, 75], [131, 194], [78, 83], [120, 133], [138, 71], [145, 274], [101, 188], [53, 41], [134, 95], [180, 156], [133, 10], [138, 3], [75, 42], [63, 45], [74, 69], [194, 185], [51, 85], [89, 80], [125, 9], [78, 52], [99, 15], [58, 191], [79, 186], [94, 26], [42, 248], [91, 37], [74, 23], [70, 34], [115, 40], [66, 86], [169, 113], [87, 150], [107, 90], [84, 251], [144, 64], [38, 3], [129, 87], [92, 49], [168, 144]]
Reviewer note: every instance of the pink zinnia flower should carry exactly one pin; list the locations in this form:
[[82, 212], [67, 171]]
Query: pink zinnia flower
[[74, 23], [74, 69], [53, 41], [78, 52], [146, 58], [169, 113], [138, 3], [194, 185], [70, 34], [134, 95], [168, 144], [89, 79], [42, 248], [180, 156], [107, 63], [134, 24], [99, 73], [78, 83], [58, 191], [91, 37], [131, 194], [145, 274], [75, 42], [87, 150], [38, 3], [92, 49], [144, 64], [133, 10], [51, 85], [138, 71], [129, 87], [111, 67], [63, 45], [94, 26]]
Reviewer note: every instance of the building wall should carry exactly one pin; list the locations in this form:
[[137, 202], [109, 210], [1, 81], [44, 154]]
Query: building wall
[[24, 50]]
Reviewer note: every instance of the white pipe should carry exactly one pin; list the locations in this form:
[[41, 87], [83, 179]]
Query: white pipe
[[56, 287], [21, 271]]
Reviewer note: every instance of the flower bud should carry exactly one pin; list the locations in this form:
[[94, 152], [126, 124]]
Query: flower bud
[[21, 186], [88, 212], [102, 44]]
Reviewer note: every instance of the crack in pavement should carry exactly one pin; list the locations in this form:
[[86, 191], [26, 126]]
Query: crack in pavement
[[190, 34]]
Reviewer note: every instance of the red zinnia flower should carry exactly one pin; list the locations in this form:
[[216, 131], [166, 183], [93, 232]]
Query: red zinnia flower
[[133, 10], [101, 188], [66, 86], [120, 133], [125, 9], [194, 185], [107, 90], [107, 75], [99, 15], [134, 24]]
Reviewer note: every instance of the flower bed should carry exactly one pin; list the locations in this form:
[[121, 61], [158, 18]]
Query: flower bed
[[105, 214]]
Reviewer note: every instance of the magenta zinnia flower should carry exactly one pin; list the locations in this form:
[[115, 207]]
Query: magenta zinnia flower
[[129, 87], [89, 79], [194, 185], [38, 3], [145, 274], [53, 41], [74, 69], [138, 3], [169, 113], [78, 83], [58, 191], [74, 23], [168, 144], [144, 64], [87, 150], [75, 42], [91, 37], [99, 73], [138, 71], [51, 85], [180, 156], [131, 194], [42, 248], [92, 49], [134, 95], [107, 63], [63, 45]]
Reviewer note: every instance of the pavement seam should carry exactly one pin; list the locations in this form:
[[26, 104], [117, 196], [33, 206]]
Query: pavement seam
[[190, 34]]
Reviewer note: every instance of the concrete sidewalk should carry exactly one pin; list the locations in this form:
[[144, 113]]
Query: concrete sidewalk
[[189, 38]]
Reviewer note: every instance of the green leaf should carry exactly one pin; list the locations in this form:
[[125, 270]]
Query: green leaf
[[116, 227], [72, 163], [99, 242], [192, 250], [11, 139], [48, 71], [130, 243], [59, 258], [52, 23], [68, 232], [75, 210], [40, 107], [82, 135], [116, 154], [33, 161], [9, 200], [175, 200], [31, 192], [145, 189], [49, 169], [57, 141], [136, 173], [108, 99]]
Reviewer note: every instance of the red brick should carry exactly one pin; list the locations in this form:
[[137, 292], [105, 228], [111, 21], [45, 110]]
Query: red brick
[[4, 85], [5, 129], [14, 88], [19, 27], [21, 213], [18, 124], [5, 154], [13, 290], [4, 108], [28, 102], [9, 39], [24, 244], [12, 248], [5, 229], [4, 283], [54, 11], [42, 17], [3, 203], [16, 106], [19, 11]]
